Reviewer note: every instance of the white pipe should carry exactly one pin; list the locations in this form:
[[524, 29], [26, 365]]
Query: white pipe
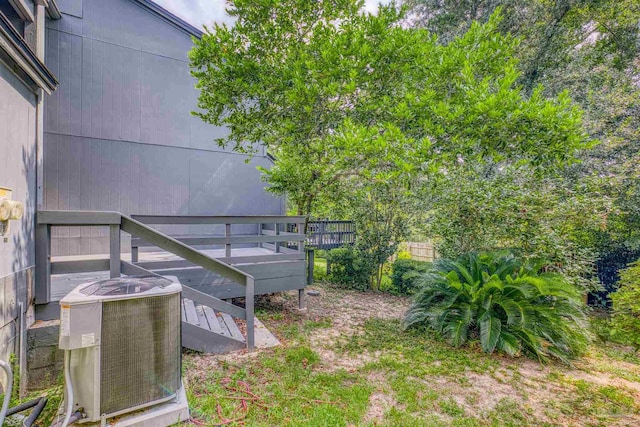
[[68, 388], [23, 345], [7, 392]]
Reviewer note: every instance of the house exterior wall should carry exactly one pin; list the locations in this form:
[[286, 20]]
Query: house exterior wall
[[118, 131], [17, 172]]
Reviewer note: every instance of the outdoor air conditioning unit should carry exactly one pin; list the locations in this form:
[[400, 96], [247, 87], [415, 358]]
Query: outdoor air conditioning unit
[[123, 350]]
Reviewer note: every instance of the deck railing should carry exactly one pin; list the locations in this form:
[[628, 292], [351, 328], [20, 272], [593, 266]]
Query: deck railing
[[118, 223], [328, 234], [267, 231]]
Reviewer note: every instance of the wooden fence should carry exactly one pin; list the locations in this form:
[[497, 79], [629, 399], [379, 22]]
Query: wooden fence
[[421, 251]]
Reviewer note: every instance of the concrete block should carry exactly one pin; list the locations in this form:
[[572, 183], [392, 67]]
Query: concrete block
[[44, 360], [43, 334], [42, 357], [41, 378]]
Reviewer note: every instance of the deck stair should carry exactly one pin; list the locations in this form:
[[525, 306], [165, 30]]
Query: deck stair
[[209, 331]]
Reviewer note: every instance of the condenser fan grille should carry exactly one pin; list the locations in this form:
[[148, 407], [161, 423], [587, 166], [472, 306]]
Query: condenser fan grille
[[141, 354]]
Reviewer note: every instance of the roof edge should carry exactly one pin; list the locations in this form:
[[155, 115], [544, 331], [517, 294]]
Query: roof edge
[[53, 10], [169, 17], [14, 45]]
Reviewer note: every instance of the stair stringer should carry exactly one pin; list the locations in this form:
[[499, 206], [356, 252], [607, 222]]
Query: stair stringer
[[203, 340]]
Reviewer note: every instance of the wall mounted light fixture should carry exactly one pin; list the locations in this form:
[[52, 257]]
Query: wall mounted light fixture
[[9, 210]]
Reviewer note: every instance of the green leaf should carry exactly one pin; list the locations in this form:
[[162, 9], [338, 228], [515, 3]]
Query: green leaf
[[490, 328]]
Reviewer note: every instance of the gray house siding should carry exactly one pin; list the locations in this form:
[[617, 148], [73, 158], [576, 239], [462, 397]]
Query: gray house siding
[[118, 131], [17, 171]]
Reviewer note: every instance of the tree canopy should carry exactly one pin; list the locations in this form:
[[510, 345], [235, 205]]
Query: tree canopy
[[364, 112]]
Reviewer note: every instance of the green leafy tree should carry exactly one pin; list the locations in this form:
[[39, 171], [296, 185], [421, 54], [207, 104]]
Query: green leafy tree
[[505, 304], [554, 33], [625, 321], [360, 110], [496, 206], [589, 48]]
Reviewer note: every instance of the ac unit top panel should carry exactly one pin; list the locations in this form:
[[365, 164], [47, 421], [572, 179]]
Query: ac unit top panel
[[122, 288]]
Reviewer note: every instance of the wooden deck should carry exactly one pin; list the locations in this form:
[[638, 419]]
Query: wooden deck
[[261, 257], [62, 284]]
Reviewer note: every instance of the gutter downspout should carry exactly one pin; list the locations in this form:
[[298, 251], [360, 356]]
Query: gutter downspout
[[27, 312]]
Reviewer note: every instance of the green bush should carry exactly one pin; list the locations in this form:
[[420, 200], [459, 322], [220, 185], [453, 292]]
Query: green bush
[[625, 321], [406, 274], [319, 269], [349, 268], [504, 303]]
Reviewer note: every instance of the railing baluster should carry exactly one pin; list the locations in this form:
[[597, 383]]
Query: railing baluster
[[227, 246]]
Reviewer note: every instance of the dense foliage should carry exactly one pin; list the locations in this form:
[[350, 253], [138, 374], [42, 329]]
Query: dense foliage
[[406, 274], [625, 322], [589, 49], [349, 268], [361, 111], [509, 305], [488, 207]]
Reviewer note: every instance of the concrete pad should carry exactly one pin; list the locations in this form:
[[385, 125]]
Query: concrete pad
[[162, 415], [263, 336]]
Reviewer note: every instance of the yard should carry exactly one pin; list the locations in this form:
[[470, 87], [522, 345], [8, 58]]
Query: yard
[[348, 362]]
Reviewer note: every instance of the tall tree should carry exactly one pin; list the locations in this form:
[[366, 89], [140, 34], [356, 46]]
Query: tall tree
[[366, 108], [589, 48]]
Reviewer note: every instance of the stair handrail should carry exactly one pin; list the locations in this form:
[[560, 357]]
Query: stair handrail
[[120, 222]]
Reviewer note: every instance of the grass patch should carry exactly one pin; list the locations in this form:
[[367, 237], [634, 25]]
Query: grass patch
[[291, 391], [602, 404], [414, 352], [397, 377]]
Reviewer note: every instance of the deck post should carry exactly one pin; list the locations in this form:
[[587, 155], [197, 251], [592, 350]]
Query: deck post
[[114, 250], [277, 244], [43, 264], [311, 258], [249, 309], [227, 246]]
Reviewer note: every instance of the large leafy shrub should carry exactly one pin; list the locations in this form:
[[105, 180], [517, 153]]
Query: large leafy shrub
[[349, 268], [406, 274], [507, 304], [625, 321]]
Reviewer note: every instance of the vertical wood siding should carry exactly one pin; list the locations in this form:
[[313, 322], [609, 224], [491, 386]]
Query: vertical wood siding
[[119, 134]]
